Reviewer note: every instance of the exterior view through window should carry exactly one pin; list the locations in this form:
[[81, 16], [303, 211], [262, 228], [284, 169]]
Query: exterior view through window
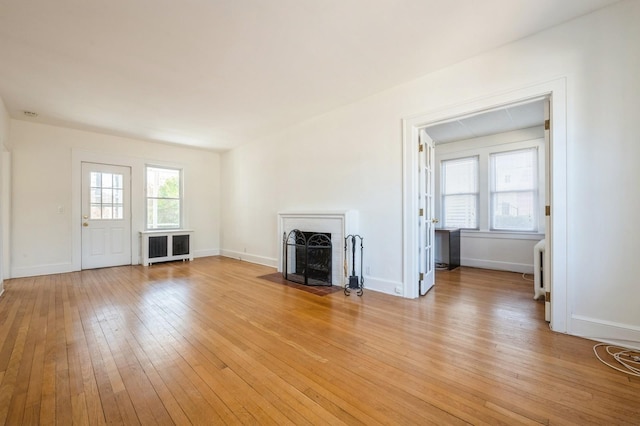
[[164, 198]]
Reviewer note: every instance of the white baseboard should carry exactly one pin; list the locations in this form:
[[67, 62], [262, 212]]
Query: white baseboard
[[605, 331], [206, 253], [523, 268], [381, 285], [251, 258], [32, 271]]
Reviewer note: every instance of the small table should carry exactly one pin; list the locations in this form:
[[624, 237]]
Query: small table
[[453, 234]]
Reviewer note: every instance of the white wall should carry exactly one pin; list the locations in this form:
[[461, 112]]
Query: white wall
[[45, 233], [351, 158], [508, 251], [4, 193]]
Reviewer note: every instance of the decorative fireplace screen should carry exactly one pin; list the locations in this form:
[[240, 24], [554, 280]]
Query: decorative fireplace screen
[[307, 257]]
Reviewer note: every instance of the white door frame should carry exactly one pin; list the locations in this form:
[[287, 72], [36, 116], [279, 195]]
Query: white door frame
[[556, 235]]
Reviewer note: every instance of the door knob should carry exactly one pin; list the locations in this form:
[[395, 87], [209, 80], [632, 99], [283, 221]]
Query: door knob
[[85, 217], [435, 220], [85, 224]]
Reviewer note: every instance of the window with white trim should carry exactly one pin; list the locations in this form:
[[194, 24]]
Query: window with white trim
[[164, 197], [505, 173], [460, 192], [514, 190]]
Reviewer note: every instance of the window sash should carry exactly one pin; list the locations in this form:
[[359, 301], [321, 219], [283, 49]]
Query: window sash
[[164, 198], [460, 192], [513, 197]]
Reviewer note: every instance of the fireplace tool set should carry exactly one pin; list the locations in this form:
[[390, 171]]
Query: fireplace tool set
[[355, 281]]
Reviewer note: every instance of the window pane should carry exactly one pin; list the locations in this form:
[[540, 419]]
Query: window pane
[[95, 179], [96, 195], [514, 184], [514, 211], [163, 183], [107, 180], [515, 170], [118, 212], [162, 213], [107, 211], [460, 176], [107, 196], [460, 211], [118, 180], [96, 211], [118, 195], [460, 192]]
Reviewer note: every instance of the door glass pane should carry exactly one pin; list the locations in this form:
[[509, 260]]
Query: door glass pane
[[118, 212], [107, 211], [96, 211], [106, 202], [117, 196], [96, 196], [107, 196], [117, 181], [95, 180]]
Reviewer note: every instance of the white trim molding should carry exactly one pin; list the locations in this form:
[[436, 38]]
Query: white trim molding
[[556, 235]]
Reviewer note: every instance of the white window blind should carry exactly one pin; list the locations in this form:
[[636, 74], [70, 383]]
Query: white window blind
[[514, 190], [460, 192]]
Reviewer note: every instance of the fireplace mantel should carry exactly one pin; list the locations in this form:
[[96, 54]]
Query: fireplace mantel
[[338, 223]]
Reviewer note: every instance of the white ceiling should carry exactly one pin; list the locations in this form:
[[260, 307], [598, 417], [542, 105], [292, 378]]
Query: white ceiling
[[218, 73], [512, 117]]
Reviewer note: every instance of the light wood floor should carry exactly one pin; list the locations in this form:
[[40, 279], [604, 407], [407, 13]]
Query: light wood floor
[[208, 342]]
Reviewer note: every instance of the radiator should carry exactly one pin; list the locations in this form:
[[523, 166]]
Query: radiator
[[165, 246], [538, 268]]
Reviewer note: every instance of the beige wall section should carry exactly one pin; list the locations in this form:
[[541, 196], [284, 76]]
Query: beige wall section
[[351, 158], [43, 192]]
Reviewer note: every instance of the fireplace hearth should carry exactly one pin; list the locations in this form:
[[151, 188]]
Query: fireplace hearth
[[307, 257]]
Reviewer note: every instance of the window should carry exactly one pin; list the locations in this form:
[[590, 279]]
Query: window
[[164, 198], [460, 192], [107, 194], [514, 190]]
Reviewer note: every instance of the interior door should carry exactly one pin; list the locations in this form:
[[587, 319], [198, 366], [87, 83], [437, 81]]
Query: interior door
[[546, 278], [106, 215], [426, 218]]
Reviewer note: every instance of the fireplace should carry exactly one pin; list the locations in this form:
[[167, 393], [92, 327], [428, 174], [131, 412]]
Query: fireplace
[[336, 225], [307, 257]]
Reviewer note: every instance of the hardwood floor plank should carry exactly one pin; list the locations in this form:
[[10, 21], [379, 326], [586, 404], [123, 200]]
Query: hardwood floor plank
[[209, 342]]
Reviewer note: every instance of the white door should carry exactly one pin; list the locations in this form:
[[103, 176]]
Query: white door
[[426, 218], [546, 278], [106, 215]]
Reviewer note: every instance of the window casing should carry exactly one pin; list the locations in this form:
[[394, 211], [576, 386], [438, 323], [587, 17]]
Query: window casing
[[460, 192], [164, 198]]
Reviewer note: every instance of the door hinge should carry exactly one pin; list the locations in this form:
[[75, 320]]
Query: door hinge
[[420, 148], [547, 210], [421, 276], [547, 124], [547, 296], [421, 212]]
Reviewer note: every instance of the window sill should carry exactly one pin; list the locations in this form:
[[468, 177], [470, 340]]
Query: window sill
[[503, 235]]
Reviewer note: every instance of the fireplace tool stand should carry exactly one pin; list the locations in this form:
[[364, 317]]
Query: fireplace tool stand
[[354, 282]]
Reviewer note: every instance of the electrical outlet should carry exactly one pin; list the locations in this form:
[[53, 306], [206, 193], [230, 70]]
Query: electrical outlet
[[398, 290]]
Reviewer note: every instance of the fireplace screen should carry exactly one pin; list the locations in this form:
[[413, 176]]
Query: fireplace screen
[[307, 257]]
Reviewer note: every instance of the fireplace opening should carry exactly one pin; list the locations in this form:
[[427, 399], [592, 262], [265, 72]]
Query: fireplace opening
[[307, 257]]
